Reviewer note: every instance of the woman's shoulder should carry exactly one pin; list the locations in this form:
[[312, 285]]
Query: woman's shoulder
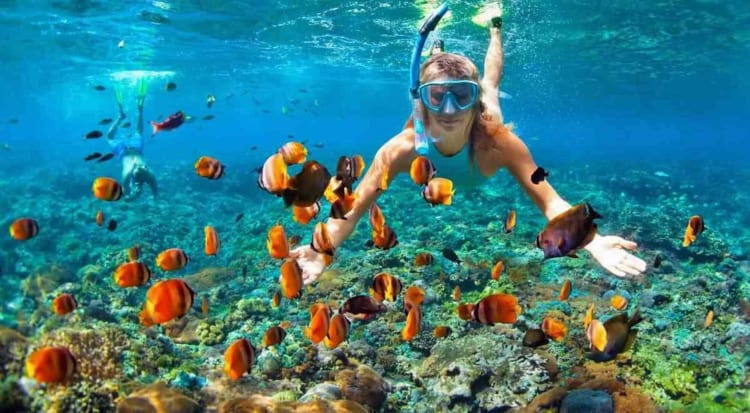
[[491, 132], [399, 151]]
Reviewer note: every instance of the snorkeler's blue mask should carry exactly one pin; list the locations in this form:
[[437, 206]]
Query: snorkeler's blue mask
[[449, 96]]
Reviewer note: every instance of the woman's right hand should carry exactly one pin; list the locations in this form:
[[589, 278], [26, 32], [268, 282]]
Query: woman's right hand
[[311, 262]]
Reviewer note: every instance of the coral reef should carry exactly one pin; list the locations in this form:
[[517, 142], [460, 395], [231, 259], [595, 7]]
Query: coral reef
[[493, 370]]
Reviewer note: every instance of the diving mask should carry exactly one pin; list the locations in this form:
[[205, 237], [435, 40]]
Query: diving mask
[[450, 96]]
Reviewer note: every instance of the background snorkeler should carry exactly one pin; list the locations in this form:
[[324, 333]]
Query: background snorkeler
[[129, 149]]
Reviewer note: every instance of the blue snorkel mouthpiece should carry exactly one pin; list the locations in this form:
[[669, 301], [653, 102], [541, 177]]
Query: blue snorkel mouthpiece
[[421, 142]]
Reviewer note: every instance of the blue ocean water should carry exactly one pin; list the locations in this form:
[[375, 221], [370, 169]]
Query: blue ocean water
[[649, 81], [603, 93]]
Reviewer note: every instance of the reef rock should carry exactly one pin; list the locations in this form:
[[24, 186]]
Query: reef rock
[[363, 385], [157, 398], [497, 375]]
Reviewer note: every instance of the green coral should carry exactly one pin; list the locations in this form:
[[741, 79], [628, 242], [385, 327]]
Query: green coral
[[210, 333], [722, 401], [665, 378]]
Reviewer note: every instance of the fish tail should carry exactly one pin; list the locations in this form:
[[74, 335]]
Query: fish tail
[[155, 127]]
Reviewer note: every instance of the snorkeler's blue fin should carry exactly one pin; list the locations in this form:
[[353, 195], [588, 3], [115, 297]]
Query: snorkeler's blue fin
[[142, 88], [118, 94]]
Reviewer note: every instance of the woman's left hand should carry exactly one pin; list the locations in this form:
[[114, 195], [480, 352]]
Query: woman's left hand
[[611, 252]]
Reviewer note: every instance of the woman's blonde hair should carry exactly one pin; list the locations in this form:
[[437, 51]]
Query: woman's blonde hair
[[484, 126]]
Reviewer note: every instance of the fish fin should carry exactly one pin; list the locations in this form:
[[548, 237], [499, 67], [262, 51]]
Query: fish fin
[[619, 318], [591, 213], [636, 317], [289, 196], [631, 339]]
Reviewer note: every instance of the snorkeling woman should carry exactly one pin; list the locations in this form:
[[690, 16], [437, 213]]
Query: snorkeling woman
[[461, 112]]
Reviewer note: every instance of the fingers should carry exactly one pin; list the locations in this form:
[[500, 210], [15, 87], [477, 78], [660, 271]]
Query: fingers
[[615, 270], [628, 245]]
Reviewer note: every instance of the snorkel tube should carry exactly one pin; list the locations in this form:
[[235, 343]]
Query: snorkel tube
[[421, 144]]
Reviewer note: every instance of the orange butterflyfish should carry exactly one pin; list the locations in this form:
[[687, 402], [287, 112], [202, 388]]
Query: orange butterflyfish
[[291, 279], [439, 191], [343, 206], [348, 170], [276, 300], [304, 215], [322, 242], [413, 323], [497, 270], [386, 239], [456, 293], [413, 296], [709, 319], [554, 329], [694, 228], [293, 153], [204, 306], [597, 335], [211, 242], [134, 253], [51, 365], [99, 218], [274, 335], [510, 221], [422, 170], [274, 176], [132, 274], [23, 229], [172, 259], [618, 302], [106, 189], [277, 242], [320, 316], [334, 187], [377, 219], [589, 316], [64, 304], [338, 331], [239, 359], [497, 308], [441, 331], [166, 301], [209, 168], [465, 311], [565, 290], [423, 258], [385, 287]]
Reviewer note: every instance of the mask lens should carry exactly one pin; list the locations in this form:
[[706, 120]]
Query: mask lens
[[435, 95], [464, 94]]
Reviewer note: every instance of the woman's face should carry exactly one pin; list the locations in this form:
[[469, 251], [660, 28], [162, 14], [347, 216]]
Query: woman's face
[[451, 119]]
